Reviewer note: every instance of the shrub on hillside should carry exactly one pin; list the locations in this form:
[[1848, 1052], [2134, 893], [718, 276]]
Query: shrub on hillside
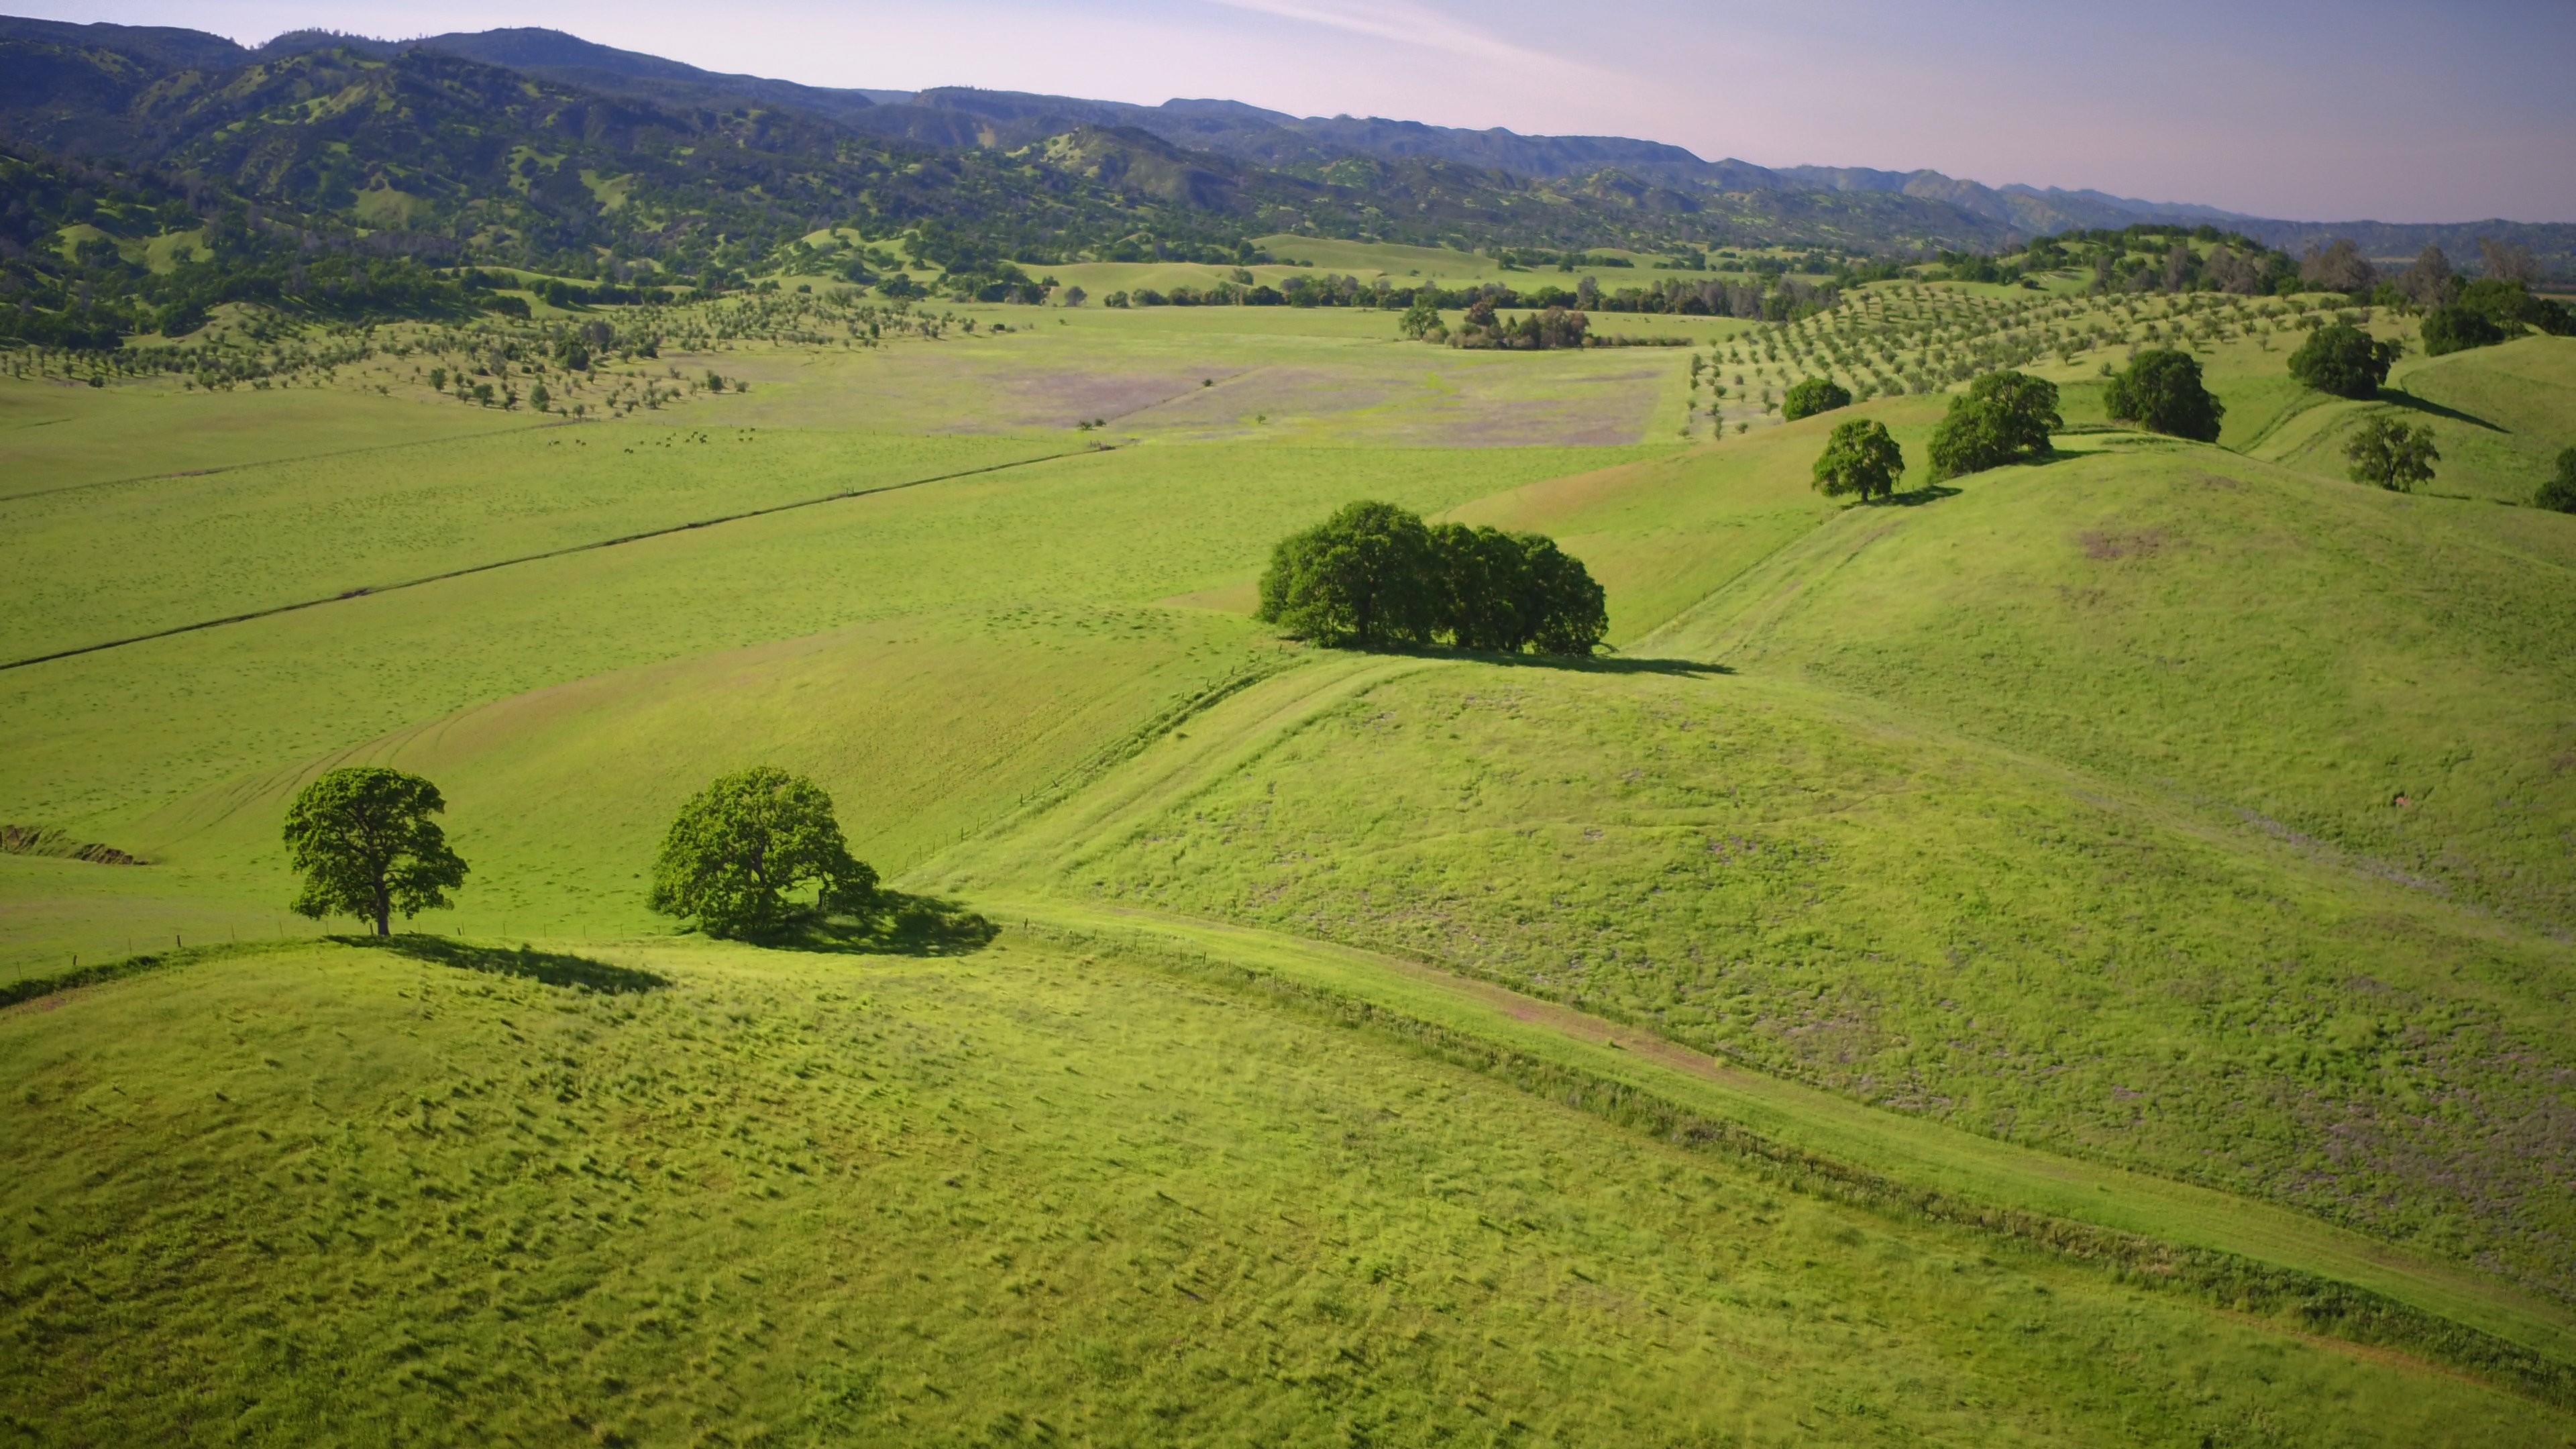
[[1860, 457], [2491, 310], [2003, 417], [2161, 392], [1507, 592], [1374, 575], [1360, 578], [2559, 492], [1812, 396], [363, 841], [2344, 360], [2392, 454], [2457, 329], [745, 844]]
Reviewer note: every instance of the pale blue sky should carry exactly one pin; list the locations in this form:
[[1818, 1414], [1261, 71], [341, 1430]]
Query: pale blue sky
[[2336, 112]]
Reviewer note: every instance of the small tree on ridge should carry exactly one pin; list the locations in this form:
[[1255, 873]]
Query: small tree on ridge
[[2344, 360], [2392, 454], [1811, 396], [2003, 417], [364, 842], [1860, 457], [2161, 391], [748, 840]]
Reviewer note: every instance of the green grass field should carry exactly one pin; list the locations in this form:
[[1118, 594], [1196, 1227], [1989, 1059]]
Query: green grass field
[[2168, 841]]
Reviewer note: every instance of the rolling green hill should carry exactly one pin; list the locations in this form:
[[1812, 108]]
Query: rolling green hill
[[2078, 954], [442, 1194]]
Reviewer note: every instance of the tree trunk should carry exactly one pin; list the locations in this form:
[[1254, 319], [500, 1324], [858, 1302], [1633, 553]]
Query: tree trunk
[[384, 912]]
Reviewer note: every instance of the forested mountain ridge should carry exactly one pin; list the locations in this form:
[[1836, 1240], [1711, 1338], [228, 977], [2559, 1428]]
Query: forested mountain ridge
[[535, 149]]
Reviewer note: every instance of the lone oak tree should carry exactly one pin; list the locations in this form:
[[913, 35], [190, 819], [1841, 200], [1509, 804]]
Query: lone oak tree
[[2344, 360], [1860, 457], [2161, 391], [2392, 454], [364, 842], [2003, 417], [744, 843], [1811, 396]]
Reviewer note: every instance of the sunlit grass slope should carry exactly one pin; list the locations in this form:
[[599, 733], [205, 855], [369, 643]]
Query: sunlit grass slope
[[2380, 673], [1762, 871], [1022, 1197], [2499, 416]]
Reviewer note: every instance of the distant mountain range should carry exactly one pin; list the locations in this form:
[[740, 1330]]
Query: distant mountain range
[[1201, 167]]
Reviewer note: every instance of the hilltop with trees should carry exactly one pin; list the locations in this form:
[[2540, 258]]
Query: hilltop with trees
[[1374, 576]]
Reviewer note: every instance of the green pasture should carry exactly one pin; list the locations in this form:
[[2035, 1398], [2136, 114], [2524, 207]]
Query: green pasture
[[2168, 838], [1318, 376], [1078, 550], [112, 561], [663, 1194], [56, 435]]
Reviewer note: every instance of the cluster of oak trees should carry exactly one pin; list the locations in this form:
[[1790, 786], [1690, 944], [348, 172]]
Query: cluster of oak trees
[[1375, 576]]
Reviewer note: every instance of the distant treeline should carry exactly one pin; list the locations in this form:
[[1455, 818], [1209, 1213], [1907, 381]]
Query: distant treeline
[[1787, 299], [1374, 575], [2175, 259]]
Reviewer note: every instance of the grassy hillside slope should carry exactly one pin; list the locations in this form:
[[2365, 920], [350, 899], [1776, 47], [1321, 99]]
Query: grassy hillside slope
[[2377, 672], [1769, 874], [703, 1194]]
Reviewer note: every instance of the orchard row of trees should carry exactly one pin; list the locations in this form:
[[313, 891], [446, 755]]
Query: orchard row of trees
[[752, 853], [1374, 576]]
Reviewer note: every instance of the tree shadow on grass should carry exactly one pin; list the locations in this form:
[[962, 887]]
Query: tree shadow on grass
[[2409, 401], [1602, 664], [1935, 492], [902, 925], [1583, 663], [554, 968]]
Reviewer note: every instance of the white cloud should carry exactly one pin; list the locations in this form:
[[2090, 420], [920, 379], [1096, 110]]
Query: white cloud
[[1409, 24]]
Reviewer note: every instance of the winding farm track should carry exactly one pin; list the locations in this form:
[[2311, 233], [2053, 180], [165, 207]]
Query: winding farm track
[[1913, 1151]]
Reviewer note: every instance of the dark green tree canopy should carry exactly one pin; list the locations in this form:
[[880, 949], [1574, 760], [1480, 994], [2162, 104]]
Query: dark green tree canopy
[[748, 842], [2344, 360], [1373, 574], [2559, 493], [2392, 454], [1860, 457], [2161, 391], [1361, 578], [2492, 310], [1811, 396], [2457, 329], [2003, 417], [365, 845], [1564, 611]]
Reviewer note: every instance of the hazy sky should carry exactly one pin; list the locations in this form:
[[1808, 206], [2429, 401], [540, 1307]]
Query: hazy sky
[[2363, 109]]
